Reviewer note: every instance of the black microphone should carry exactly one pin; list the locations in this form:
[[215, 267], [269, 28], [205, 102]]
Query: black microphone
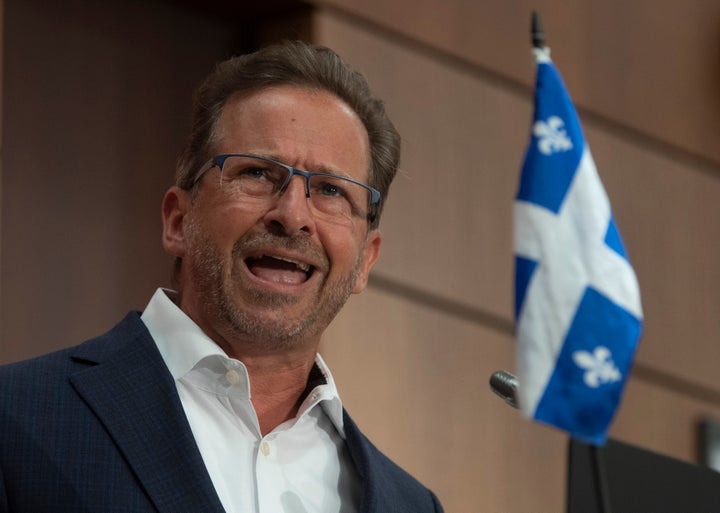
[[505, 384]]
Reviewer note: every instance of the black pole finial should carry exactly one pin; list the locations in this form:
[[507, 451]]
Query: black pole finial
[[536, 31]]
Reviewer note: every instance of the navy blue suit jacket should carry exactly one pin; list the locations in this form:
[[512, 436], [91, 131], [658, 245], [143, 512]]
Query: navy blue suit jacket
[[99, 428]]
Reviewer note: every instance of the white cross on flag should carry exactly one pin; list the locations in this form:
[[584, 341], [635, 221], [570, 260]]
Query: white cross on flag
[[577, 300]]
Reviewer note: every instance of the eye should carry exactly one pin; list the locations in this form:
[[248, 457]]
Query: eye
[[255, 172], [254, 175], [331, 189]]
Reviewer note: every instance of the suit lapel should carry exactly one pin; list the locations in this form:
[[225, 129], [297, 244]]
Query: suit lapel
[[372, 499], [126, 383], [385, 486]]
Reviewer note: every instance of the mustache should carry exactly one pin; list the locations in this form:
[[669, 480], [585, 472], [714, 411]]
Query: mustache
[[300, 244]]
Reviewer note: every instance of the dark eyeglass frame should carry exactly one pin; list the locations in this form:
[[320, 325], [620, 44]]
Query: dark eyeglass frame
[[219, 161]]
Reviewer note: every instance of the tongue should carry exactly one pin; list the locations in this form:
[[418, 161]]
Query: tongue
[[277, 271]]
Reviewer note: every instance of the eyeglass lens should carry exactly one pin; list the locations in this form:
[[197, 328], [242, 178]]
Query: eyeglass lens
[[262, 179]]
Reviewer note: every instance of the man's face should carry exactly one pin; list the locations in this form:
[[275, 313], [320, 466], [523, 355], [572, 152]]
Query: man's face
[[273, 273]]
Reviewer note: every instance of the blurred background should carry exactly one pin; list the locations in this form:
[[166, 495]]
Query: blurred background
[[96, 100]]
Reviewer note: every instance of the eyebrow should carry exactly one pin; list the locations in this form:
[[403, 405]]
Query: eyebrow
[[321, 168]]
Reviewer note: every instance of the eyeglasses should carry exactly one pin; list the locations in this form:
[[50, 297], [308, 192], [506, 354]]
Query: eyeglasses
[[256, 178]]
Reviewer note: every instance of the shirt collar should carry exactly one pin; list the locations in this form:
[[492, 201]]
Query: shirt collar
[[184, 346], [325, 393], [180, 341]]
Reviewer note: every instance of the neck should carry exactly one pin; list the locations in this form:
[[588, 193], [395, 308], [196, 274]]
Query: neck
[[278, 378], [278, 370], [278, 388]]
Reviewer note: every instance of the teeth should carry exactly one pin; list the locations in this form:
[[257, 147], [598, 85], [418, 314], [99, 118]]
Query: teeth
[[301, 265]]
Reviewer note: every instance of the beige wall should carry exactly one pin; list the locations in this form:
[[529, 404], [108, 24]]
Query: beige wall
[[97, 98], [96, 105]]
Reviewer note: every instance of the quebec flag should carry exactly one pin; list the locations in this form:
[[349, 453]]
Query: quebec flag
[[577, 300]]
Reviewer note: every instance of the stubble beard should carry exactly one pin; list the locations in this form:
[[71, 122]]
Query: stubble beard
[[263, 323]]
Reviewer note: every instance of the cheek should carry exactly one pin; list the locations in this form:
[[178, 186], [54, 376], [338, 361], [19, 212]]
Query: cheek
[[229, 222], [343, 250]]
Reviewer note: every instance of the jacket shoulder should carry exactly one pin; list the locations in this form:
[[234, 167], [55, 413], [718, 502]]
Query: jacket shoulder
[[46, 370]]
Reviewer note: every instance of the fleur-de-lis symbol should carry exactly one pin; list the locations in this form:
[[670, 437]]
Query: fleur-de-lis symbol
[[598, 365], [552, 137]]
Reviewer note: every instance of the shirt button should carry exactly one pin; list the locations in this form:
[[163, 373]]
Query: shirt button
[[232, 377], [265, 448]]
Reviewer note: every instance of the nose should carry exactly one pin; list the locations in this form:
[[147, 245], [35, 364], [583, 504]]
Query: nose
[[291, 211]]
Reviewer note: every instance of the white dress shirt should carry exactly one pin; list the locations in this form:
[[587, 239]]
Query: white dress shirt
[[301, 466]]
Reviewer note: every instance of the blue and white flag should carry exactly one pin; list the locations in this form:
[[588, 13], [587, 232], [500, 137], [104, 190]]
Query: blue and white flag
[[577, 300]]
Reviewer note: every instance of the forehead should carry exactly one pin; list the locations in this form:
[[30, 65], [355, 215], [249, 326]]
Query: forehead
[[298, 126]]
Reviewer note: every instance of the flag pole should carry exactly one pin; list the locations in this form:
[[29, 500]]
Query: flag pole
[[537, 38], [601, 486]]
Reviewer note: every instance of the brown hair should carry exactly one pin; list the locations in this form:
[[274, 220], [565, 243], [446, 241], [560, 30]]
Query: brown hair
[[305, 65]]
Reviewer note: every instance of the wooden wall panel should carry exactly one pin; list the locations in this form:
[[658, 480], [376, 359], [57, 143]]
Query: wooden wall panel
[[97, 97], [649, 65], [448, 218]]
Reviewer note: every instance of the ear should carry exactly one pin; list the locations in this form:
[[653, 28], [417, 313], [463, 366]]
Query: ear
[[371, 252], [175, 207]]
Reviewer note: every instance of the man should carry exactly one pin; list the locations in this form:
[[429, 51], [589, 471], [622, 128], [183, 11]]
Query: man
[[215, 397]]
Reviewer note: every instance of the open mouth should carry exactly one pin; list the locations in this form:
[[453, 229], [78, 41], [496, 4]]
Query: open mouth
[[279, 269]]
